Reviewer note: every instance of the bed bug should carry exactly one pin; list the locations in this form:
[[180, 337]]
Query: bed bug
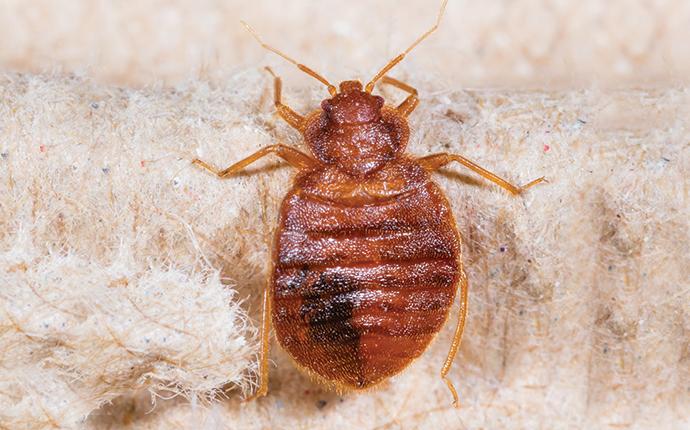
[[366, 260]]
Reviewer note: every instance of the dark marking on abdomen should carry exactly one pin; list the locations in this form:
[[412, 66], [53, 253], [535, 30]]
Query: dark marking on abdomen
[[328, 317]]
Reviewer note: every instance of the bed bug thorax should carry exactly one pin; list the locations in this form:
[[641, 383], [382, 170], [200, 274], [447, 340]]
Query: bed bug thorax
[[354, 132], [366, 262]]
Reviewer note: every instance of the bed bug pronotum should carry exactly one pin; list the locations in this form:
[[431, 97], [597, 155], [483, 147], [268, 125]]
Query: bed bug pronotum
[[366, 260]]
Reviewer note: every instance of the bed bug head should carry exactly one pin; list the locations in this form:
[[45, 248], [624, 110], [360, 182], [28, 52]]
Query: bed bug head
[[352, 106], [354, 130]]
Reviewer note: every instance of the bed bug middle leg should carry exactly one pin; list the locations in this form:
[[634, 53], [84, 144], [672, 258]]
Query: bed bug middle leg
[[410, 103], [436, 161], [294, 157]]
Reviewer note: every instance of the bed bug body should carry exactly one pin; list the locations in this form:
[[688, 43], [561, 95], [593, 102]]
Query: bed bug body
[[366, 260], [367, 253]]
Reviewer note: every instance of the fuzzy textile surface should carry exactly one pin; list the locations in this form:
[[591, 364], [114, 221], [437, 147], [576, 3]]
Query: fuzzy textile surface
[[130, 281], [114, 249]]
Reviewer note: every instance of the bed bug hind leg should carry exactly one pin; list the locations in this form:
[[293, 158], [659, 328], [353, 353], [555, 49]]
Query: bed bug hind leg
[[436, 161], [295, 120], [457, 337], [294, 157], [411, 102], [262, 389]]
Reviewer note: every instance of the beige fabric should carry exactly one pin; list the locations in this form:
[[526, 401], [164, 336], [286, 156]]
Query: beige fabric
[[579, 290]]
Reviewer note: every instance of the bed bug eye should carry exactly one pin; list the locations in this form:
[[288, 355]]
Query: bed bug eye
[[326, 106], [380, 101]]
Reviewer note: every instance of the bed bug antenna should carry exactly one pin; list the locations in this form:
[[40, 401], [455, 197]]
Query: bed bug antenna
[[392, 63], [302, 67]]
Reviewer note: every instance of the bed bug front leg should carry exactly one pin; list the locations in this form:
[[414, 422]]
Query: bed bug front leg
[[410, 103], [290, 116], [294, 157], [436, 161]]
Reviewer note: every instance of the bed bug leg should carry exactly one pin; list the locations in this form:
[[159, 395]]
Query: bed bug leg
[[263, 358], [457, 337], [533, 182], [290, 116], [294, 157], [410, 103], [436, 161]]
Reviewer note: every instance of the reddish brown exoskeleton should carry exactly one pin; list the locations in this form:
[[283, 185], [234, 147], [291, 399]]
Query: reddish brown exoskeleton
[[367, 260]]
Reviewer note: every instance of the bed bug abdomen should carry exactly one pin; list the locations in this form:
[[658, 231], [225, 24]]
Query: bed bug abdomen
[[363, 280]]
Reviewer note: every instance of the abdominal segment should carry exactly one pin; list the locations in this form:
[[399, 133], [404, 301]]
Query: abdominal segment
[[356, 301]]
